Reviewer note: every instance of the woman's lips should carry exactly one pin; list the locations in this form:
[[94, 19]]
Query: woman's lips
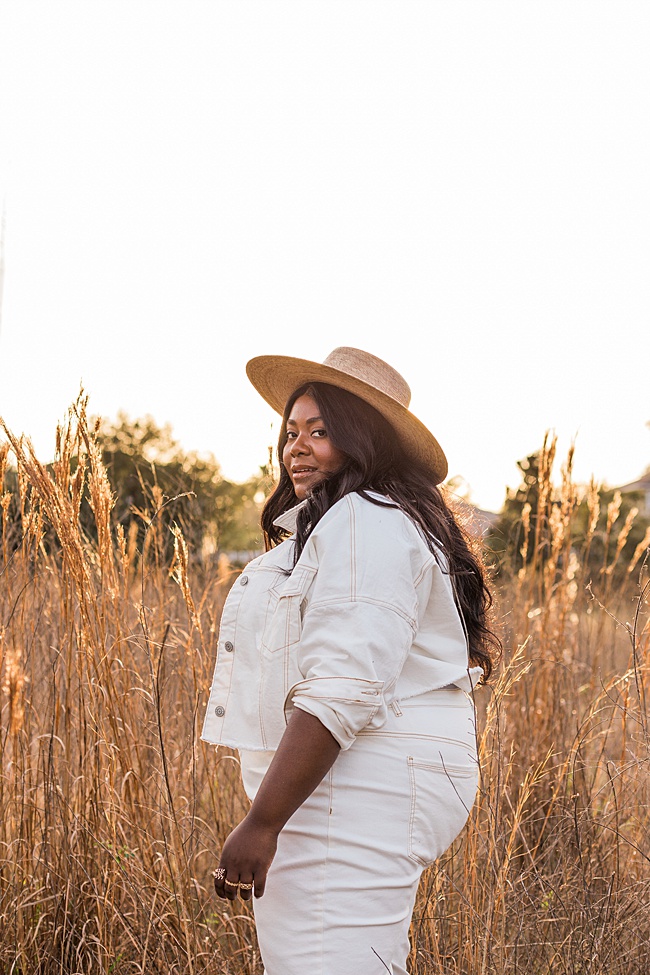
[[304, 473]]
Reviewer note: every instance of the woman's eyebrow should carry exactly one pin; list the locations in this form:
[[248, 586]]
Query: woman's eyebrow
[[312, 419]]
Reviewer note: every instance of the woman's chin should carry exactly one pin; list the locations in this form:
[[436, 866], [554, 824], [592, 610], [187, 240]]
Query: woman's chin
[[303, 488]]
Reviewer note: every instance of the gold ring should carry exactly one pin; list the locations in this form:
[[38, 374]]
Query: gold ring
[[245, 886], [230, 883]]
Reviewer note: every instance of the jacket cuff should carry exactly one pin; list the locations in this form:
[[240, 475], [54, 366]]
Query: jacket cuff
[[469, 680], [344, 705]]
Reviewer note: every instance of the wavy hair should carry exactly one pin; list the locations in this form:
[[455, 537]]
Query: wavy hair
[[375, 461]]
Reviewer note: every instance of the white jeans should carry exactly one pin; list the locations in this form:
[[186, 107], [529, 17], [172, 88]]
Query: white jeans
[[341, 890]]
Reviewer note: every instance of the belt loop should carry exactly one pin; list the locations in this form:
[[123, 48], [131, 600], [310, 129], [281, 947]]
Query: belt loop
[[396, 708]]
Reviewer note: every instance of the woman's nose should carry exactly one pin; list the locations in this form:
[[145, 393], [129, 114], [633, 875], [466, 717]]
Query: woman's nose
[[299, 445]]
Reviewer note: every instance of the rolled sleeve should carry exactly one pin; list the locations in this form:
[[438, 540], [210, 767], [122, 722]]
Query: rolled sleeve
[[344, 705], [360, 620]]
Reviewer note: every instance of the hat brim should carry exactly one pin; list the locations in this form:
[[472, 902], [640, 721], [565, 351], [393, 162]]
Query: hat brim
[[275, 377]]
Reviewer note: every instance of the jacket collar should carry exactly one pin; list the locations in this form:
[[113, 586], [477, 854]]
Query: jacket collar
[[287, 520]]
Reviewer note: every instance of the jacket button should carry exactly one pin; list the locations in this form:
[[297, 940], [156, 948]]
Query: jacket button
[[243, 581], [228, 646], [220, 711]]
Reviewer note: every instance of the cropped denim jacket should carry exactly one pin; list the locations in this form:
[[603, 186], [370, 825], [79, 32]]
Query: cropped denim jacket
[[365, 619]]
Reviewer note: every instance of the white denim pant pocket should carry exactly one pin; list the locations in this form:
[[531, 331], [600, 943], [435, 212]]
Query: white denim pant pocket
[[341, 889], [442, 794]]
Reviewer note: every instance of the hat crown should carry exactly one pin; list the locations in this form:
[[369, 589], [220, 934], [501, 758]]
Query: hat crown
[[371, 370]]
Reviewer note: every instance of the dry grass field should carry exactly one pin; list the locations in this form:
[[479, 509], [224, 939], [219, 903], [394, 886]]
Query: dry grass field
[[112, 810]]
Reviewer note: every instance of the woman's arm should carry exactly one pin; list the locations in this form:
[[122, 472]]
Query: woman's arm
[[305, 755]]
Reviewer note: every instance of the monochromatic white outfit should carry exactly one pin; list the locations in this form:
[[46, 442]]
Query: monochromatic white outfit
[[364, 634]]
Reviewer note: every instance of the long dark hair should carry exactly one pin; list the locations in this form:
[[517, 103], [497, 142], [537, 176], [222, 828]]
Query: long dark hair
[[375, 461]]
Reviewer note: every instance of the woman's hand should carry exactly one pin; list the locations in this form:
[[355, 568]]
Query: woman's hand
[[305, 754], [245, 860]]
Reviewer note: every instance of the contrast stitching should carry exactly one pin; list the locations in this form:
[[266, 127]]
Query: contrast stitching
[[324, 874], [359, 680], [447, 768], [411, 852], [428, 563], [337, 601], [341, 700], [261, 709], [415, 736], [353, 552], [292, 621]]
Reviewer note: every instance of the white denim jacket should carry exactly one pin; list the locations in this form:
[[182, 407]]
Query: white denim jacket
[[366, 618]]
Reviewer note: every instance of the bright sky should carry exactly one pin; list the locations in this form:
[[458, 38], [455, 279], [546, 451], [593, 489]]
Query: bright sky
[[462, 188]]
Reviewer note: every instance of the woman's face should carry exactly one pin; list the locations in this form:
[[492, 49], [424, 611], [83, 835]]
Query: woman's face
[[309, 455]]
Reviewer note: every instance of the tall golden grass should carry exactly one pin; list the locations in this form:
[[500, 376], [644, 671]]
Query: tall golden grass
[[112, 811]]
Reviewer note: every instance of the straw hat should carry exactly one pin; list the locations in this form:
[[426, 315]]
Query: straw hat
[[275, 377]]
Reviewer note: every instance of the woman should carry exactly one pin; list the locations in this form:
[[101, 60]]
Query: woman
[[343, 673]]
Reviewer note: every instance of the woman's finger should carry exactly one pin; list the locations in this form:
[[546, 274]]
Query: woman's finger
[[224, 885], [246, 888], [260, 882], [230, 887], [219, 876]]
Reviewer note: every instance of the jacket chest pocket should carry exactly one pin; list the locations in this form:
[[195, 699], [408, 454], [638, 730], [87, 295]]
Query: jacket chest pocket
[[283, 624]]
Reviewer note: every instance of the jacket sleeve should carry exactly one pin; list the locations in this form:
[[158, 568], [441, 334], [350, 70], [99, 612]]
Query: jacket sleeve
[[361, 616]]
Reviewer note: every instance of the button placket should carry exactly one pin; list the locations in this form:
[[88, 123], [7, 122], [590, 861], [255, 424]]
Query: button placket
[[223, 671]]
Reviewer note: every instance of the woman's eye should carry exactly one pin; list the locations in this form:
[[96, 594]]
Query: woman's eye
[[319, 433], [290, 435]]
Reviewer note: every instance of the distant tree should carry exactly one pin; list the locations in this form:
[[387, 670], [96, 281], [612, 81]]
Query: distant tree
[[506, 538], [10, 508], [147, 467], [601, 520], [616, 520], [150, 472]]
